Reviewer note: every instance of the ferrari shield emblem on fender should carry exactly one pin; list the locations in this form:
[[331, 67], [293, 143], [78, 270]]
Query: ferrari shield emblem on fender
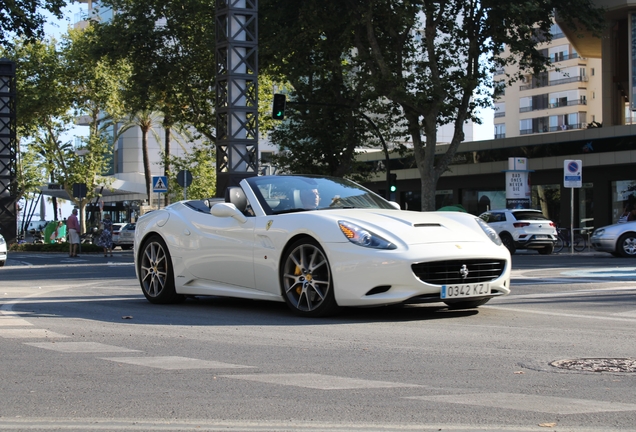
[[269, 224]]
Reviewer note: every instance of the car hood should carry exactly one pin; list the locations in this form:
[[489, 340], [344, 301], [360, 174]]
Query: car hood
[[415, 227]]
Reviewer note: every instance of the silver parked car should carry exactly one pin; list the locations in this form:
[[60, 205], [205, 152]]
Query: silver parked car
[[126, 236], [3, 251], [617, 239]]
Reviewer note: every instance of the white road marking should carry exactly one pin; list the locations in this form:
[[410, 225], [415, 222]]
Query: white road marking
[[29, 333], [80, 347], [522, 402], [318, 381], [175, 363], [217, 425], [562, 314], [13, 322]]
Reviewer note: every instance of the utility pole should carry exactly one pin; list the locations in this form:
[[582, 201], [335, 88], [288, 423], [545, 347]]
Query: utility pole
[[236, 92]]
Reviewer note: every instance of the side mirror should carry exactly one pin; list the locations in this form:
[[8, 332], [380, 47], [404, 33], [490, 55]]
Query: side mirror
[[396, 205], [227, 210]]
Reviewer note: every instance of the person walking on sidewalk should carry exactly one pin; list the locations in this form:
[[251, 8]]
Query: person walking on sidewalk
[[72, 224], [106, 238]]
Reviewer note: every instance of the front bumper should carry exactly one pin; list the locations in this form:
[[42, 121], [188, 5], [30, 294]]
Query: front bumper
[[603, 244], [373, 278]]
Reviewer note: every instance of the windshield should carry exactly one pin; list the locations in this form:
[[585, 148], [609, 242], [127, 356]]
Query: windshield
[[286, 194]]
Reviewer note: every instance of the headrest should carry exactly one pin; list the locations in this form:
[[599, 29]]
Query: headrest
[[236, 196]]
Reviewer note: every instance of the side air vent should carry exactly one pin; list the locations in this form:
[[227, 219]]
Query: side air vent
[[378, 290], [423, 225]]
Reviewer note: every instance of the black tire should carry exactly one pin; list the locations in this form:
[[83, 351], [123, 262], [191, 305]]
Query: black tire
[[1, 263], [306, 282], [626, 245], [547, 250], [508, 242], [468, 304], [579, 243], [155, 272]]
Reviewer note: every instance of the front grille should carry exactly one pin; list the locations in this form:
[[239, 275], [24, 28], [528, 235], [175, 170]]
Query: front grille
[[450, 272]]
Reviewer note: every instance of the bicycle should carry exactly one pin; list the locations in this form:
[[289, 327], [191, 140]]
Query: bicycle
[[563, 240]]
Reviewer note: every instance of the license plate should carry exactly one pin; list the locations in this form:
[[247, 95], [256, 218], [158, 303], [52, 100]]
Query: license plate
[[541, 236], [465, 290]]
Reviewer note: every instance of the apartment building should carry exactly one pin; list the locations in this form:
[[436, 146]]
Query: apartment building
[[565, 97]]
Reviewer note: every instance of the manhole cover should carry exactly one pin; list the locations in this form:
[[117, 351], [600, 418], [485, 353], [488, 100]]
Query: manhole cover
[[626, 365]]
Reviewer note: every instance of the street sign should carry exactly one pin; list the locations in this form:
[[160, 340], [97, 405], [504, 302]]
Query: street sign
[[184, 178], [159, 184], [79, 190], [572, 173]]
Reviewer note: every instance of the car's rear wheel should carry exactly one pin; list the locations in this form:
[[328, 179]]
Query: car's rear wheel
[[508, 242], [468, 304], [626, 245], [306, 280], [546, 250], [155, 272]]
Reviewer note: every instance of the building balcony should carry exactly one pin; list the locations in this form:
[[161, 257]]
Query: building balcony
[[555, 105], [554, 82], [500, 114], [560, 128]]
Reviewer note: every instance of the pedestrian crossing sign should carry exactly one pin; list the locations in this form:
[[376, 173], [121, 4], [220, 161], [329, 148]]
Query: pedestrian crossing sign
[[160, 184]]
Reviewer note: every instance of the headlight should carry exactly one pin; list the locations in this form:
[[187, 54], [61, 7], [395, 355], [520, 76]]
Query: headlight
[[363, 237], [2, 240], [491, 233], [598, 232]]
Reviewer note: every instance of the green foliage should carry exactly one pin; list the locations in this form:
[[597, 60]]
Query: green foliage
[[201, 164], [52, 247], [25, 18], [172, 63], [329, 110]]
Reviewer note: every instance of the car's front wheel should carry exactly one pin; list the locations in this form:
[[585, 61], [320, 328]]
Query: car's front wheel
[[626, 245], [155, 272], [508, 242], [306, 280]]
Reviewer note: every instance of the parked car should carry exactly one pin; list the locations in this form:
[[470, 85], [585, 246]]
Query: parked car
[[317, 243], [3, 251], [523, 229], [126, 236], [116, 230], [617, 239]]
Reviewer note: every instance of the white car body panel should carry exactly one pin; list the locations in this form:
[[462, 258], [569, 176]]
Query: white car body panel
[[223, 256]]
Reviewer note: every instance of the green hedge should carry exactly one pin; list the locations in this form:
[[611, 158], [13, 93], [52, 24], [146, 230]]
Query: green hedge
[[52, 247]]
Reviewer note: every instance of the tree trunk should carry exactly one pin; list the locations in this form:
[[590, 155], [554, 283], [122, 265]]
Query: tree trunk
[[166, 162], [146, 160]]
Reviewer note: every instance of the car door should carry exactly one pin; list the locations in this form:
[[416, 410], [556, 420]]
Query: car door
[[221, 249]]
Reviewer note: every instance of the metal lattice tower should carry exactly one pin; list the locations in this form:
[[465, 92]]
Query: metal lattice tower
[[236, 91], [8, 211]]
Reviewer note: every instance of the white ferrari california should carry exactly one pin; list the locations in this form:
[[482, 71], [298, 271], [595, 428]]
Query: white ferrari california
[[317, 243]]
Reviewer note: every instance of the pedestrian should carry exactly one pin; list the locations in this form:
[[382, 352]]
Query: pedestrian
[[73, 226], [106, 237]]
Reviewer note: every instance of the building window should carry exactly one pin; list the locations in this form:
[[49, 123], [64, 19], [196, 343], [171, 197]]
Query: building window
[[592, 71], [500, 130]]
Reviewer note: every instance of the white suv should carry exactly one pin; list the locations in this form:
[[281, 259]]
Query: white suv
[[3, 251], [523, 229]]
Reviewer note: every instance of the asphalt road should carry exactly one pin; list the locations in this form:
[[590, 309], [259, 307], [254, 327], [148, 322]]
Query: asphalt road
[[81, 349]]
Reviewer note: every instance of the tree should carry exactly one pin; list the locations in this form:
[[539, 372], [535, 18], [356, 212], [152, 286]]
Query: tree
[[24, 18], [433, 59], [201, 164], [329, 111]]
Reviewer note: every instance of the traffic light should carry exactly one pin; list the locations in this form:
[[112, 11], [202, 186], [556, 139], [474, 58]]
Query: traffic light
[[278, 109], [393, 182]]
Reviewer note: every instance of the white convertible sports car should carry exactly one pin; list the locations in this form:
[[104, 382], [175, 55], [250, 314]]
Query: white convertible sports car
[[317, 243]]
